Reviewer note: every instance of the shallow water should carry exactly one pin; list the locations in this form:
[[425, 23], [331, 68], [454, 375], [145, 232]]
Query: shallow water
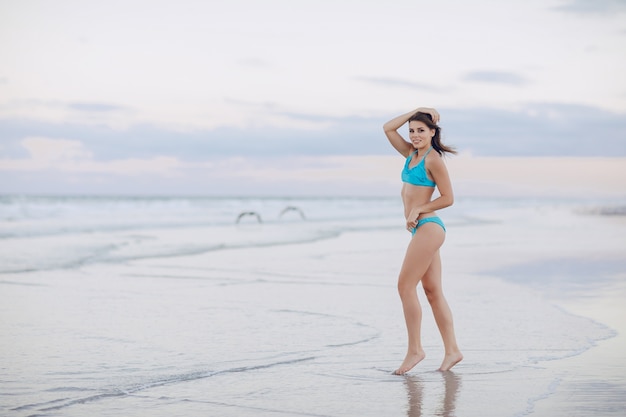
[[290, 317]]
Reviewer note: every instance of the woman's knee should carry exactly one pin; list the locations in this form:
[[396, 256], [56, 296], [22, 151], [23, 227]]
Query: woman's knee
[[433, 294], [406, 288]]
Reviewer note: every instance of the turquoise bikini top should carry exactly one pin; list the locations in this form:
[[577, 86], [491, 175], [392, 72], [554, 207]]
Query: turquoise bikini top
[[417, 175]]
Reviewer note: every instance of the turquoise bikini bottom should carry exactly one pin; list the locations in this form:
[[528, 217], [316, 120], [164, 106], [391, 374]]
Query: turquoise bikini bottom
[[433, 219]]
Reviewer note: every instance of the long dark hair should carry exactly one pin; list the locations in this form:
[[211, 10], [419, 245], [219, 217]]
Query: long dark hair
[[436, 142]]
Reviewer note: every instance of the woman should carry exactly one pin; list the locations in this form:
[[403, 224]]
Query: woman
[[423, 170]]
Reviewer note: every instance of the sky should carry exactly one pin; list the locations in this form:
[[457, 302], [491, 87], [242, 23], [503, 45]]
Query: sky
[[289, 97]]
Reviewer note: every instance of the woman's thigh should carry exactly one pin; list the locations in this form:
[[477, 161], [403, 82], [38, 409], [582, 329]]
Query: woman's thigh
[[422, 249], [431, 281]]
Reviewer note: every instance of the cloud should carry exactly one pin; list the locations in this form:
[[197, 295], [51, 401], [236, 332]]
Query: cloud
[[305, 169], [501, 176], [265, 105], [64, 155], [51, 151], [255, 63], [593, 6], [94, 107], [539, 129], [68, 109], [336, 175], [496, 77], [400, 83], [536, 129], [344, 136], [76, 105]]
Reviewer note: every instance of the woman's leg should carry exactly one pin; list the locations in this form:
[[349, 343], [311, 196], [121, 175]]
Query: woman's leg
[[423, 246], [441, 310]]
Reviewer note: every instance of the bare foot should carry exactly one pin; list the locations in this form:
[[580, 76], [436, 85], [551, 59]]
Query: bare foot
[[450, 360], [410, 361]]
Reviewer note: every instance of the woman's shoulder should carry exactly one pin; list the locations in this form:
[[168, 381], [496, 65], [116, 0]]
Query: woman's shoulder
[[433, 155], [434, 159]]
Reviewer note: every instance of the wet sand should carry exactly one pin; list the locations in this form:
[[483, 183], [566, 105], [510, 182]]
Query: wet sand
[[316, 329]]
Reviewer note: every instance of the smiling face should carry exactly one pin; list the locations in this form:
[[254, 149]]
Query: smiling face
[[420, 134]]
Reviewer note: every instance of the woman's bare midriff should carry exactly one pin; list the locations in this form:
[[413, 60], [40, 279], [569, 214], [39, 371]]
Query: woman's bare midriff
[[415, 196]]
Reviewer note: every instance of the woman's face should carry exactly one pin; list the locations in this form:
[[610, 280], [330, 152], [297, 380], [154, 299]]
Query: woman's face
[[420, 134]]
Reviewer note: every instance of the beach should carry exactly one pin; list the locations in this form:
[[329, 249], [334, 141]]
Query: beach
[[168, 306]]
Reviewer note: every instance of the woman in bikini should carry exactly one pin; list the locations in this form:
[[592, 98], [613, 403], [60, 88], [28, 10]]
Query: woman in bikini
[[423, 171]]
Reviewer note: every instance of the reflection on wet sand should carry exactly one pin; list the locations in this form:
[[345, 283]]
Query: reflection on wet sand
[[415, 388]]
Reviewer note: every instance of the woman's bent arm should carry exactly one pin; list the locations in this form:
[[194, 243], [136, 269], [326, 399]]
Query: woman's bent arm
[[439, 173]]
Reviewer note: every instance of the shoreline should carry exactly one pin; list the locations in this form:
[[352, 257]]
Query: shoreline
[[597, 375]]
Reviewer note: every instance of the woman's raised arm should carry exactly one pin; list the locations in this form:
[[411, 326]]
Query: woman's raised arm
[[392, 126]]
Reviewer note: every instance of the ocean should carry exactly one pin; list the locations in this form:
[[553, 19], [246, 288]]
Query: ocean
[[42, 233], [287, 306]]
